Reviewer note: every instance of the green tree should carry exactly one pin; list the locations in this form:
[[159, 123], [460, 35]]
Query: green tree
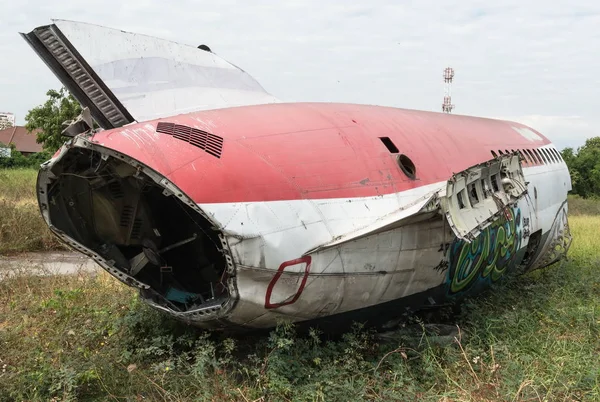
[[49, 117], [569, 157], [584, 166]]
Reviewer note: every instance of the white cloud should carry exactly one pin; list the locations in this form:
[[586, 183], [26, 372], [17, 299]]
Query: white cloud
[[528, 59]]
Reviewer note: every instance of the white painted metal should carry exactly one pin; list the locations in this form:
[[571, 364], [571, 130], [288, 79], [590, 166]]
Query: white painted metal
[[345, 253], [286, 230], [376, 267], [476, 196], [156, 78]]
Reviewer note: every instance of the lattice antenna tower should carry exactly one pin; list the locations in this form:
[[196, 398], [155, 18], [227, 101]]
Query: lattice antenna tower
[[447, 106]]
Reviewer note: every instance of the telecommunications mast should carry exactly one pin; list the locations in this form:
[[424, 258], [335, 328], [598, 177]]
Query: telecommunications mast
[[447, 106]]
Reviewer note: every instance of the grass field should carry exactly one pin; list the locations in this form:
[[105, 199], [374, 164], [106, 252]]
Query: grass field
[[21, 225], [534, 338]]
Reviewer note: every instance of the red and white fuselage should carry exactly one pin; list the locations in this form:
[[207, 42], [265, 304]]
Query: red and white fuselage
[[309, 211]]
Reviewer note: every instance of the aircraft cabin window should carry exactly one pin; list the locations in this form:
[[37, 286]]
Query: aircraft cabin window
[[494, 180], [539, 156], [545, 155], [389, 145], [473, 196], [533, 157], [559, 155]]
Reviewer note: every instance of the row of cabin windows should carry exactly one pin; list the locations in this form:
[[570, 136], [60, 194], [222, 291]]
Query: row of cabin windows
[[535, 156]]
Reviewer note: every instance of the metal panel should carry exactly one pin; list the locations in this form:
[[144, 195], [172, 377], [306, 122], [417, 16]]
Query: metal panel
[[123, 77], [476, 196], [212, 144], [155, 78], [73, 71]]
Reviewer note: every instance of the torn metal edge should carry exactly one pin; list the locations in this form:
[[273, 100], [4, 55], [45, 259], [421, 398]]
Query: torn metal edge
[[204, 313]]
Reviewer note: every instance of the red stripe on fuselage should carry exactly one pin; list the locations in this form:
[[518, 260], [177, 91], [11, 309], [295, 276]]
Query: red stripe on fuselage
[[314, 150]]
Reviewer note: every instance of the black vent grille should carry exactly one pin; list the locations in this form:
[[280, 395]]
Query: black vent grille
[[114, 187], [136, 230], [126, 216], [213, 144]]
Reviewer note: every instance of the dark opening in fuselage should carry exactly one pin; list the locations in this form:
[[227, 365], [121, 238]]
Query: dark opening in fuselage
[[119, 212]]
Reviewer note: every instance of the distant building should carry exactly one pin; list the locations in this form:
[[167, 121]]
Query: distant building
[[6, 120], [23, 140]]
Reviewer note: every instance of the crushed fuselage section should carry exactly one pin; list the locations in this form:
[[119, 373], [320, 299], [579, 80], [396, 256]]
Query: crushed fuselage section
[[476, 197], [135, 224]]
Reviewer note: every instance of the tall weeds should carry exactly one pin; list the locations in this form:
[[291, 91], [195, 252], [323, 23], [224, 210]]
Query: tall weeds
[[534, 338]]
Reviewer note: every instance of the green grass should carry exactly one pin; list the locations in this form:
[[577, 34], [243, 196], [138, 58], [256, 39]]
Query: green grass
[[21, 225], [17, 184], [582, 206], [534, 338]]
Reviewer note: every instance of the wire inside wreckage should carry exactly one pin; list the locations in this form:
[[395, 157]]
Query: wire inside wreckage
[[119, 212]]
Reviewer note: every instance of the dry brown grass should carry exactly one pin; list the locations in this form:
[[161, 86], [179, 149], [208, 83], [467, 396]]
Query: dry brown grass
[[21, 225], [534, 338]]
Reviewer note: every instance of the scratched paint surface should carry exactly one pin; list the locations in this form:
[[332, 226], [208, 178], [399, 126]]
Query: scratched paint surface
[[263, 235], [285, 152], [352, 277], [384, 267], [305, 196]]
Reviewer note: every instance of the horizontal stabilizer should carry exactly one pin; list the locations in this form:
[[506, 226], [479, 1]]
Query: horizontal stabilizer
[[124, 77]]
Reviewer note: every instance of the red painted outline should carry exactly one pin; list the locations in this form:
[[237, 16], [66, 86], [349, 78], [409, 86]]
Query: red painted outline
[[282, 267]]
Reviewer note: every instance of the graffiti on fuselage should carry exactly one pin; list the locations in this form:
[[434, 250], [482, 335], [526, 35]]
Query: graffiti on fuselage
[[488, 257]]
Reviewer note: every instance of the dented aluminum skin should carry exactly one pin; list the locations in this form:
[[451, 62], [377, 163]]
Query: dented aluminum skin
[[238, 217]]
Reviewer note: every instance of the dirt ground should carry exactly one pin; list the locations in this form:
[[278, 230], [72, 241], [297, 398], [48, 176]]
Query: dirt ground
[[47, 263]]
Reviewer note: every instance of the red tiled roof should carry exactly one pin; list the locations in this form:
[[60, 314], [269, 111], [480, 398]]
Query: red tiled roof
[[23, 140]]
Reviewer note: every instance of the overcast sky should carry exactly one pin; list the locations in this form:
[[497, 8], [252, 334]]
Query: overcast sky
[[536, 62]]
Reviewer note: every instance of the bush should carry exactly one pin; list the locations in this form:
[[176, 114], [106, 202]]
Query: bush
[[584, 166], [18, 160]]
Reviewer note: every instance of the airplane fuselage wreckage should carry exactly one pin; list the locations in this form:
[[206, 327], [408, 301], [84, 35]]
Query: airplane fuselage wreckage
[[228, 208]]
